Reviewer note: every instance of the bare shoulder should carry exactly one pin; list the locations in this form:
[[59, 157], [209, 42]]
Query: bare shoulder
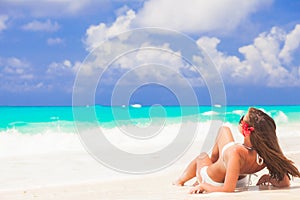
[[238, 151]]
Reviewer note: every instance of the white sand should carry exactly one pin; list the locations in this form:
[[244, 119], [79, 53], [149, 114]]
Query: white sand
[[78, 177], [145, 187]]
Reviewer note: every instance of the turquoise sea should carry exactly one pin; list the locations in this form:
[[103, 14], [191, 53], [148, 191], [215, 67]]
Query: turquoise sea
[[31, 130], [36, 120], [35, 141]]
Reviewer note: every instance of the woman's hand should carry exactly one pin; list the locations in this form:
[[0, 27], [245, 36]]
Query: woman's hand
[[196, 190], [267, 180], [264, 180]]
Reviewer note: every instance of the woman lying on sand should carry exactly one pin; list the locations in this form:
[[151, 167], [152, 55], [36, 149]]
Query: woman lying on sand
[[231, 162]]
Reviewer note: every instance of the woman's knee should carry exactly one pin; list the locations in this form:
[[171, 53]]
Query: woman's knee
[[202, 156], [225, 131], [203, 160], [225, 135]]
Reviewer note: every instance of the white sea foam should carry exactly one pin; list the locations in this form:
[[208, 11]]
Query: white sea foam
[[280, 117], [136, 105], [210, 113], [29, 151], [217, 105], [238, 112], [15, 143], [28, 158], [162, 137]]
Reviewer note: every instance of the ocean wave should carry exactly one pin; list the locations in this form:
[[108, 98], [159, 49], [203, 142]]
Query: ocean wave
[[48, 138], [238, 112], [136, 105], [15, 143], [280, 117], [130, 138], [210, 113]]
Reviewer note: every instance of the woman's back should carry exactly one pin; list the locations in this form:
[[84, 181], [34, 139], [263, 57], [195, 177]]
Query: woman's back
[[247, 161]]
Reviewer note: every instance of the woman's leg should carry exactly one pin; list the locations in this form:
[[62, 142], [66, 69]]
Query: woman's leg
[[224, 137], [193, 169]]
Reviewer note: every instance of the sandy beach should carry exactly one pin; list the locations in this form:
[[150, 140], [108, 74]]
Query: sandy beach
[[145, 187], [113, 99], [65, 179]]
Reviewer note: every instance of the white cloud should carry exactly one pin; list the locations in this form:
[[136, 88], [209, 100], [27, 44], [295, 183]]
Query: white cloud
[[96, 34], [55, 41], [157, 65], [123, 10], [291, 44], [19, 75], [35, 25], [261, 64], [3, 20], [39, 85], [194, 16], [60, 75], [42, 8], [16, 74], [264, 62], [15, 68], [64, 68], [13, 65]]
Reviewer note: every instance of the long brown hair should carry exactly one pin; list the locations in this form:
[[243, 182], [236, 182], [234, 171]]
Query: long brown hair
[[265, 142]]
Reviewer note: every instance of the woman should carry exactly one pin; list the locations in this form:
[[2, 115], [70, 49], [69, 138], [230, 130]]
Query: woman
[[231, 162]]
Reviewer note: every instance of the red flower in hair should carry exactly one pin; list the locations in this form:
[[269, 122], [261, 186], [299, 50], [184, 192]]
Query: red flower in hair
[[246, 129]]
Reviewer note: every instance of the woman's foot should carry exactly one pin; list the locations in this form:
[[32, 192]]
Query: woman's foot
[[195, 184], [178, 182]]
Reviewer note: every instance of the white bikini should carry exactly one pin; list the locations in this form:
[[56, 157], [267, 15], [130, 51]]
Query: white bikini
[[259, 160], [241, 182]]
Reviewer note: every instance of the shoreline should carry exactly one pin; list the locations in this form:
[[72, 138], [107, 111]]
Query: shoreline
[[158, 186], [77, 176], [148, 186]]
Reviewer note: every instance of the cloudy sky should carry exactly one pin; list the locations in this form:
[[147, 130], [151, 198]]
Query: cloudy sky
[[255, 46]]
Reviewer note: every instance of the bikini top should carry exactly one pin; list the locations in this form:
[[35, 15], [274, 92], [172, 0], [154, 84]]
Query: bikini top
[[259, 159]]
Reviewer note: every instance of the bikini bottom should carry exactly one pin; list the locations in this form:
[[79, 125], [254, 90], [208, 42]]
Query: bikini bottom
[[206, 179]]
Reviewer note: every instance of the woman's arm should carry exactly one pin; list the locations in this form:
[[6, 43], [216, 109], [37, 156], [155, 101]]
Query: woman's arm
[[267, 180]]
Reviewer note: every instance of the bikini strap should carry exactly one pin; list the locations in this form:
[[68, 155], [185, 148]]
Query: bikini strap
[[225, 147], [259, 159]]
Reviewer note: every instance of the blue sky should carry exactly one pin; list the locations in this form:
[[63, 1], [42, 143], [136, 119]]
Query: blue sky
[[255, 45]]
